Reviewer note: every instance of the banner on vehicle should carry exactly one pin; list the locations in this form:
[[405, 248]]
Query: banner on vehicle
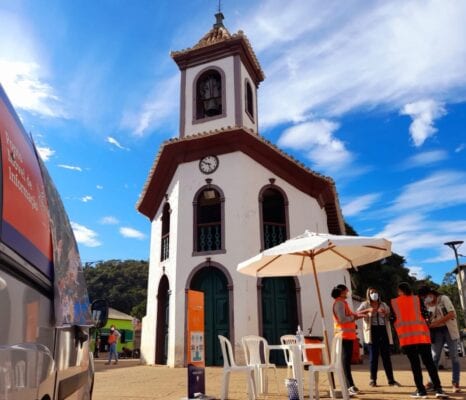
[[34, 222]]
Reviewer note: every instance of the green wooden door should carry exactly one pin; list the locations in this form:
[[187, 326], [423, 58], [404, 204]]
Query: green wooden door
[[213, 283], [279, 312]]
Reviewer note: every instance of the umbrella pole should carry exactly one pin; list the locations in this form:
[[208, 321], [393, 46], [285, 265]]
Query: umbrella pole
[[322, 314]]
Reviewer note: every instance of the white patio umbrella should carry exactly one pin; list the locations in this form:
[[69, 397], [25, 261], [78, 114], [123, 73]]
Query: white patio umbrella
[[311, 253]]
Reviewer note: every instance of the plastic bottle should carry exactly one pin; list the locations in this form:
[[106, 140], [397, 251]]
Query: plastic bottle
[[299, 335]]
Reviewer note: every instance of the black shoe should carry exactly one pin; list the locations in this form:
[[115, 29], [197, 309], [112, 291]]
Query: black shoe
[[372, 383], [419, 395], [440, 394], [394, 383]]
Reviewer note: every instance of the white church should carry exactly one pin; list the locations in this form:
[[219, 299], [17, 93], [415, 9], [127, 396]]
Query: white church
[[219, 194]]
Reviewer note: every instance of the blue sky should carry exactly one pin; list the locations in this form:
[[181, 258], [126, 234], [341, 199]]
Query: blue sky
[[372, 94]]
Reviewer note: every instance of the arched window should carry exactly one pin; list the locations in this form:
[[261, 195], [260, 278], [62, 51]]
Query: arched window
[[249, 100], [165, 243], [209, 94], [274, 216], [209, 220]]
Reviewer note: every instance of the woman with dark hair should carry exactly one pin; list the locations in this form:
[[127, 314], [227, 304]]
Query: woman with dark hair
[[344, 319], [414, 337], [377, 335]]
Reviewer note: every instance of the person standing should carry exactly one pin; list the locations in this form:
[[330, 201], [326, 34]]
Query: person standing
[[344, 319], [414, 337], [443, 330], [112, 345], [377, 335]]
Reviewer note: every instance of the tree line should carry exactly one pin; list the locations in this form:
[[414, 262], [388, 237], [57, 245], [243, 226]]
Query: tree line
[[124, 282]]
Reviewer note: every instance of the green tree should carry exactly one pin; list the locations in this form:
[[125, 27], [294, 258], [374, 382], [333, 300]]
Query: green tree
[[384, 275], [122, 283]]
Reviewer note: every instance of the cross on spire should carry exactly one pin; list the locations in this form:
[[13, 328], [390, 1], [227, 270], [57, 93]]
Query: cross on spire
[[219, 16]]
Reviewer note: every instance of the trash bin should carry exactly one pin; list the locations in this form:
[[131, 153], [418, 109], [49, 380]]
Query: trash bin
[[292, 387], [314, 355]]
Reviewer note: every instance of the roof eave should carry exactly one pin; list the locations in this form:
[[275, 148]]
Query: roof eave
[[177, 151], [236, 45]]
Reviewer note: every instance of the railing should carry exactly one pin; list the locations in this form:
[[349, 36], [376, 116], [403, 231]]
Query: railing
[[274, 233], [209, 237], [165, 250]]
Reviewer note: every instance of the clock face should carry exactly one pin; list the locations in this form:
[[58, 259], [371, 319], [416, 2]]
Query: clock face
[[208, 164]]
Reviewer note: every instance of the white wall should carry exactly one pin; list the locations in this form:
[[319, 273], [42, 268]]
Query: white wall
[[246, 119], [241, 180]]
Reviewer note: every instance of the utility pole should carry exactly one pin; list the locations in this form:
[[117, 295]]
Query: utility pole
[[455, 245]]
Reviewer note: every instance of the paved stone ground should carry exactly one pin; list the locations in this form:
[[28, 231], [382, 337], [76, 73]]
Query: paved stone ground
[[129, 380]]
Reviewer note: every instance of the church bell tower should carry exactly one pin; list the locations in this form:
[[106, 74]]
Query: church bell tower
[[220, 76], [217, 195]]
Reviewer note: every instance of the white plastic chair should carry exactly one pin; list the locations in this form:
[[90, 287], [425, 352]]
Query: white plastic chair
[[336, 366], [229, 366], [291, 339], [256, 350]]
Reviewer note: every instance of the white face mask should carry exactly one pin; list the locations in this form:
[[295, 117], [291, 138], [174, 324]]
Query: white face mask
[[429, 299], [374, 296]]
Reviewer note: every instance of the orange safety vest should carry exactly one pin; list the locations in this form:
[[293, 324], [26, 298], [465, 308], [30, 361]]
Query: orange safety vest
[[347, 329], [410, 325], [111, 338]]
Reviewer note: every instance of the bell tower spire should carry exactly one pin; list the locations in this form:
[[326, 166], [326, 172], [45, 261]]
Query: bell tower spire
[[220, 76], [219, 20], [219, 16]]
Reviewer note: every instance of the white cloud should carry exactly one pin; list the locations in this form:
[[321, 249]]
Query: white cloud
[[23, 72], [27, 91], [423, 114], [425, 158], [100, 187], [109, 220], [358, 205], [70, 167], [85, 199], [417, 272], [444, 255], [378, 54], [158, 108], [85, 236], [115, 142], [45, 152], [439, 190], [460, 148], [411, 232], [316, 138], [132, 233]]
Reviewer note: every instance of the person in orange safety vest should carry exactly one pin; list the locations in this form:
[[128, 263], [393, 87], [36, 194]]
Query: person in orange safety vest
[[414, 336], [343, 319]]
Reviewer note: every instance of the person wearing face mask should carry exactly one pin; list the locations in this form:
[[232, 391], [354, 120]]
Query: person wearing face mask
[[378, 335], [413, 334], [343, 319], [443, 327]]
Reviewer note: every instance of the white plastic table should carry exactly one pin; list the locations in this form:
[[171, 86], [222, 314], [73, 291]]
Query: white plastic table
[[297, 360]]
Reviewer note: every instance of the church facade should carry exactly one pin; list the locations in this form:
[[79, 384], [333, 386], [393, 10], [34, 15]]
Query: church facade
[[218, 195]]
